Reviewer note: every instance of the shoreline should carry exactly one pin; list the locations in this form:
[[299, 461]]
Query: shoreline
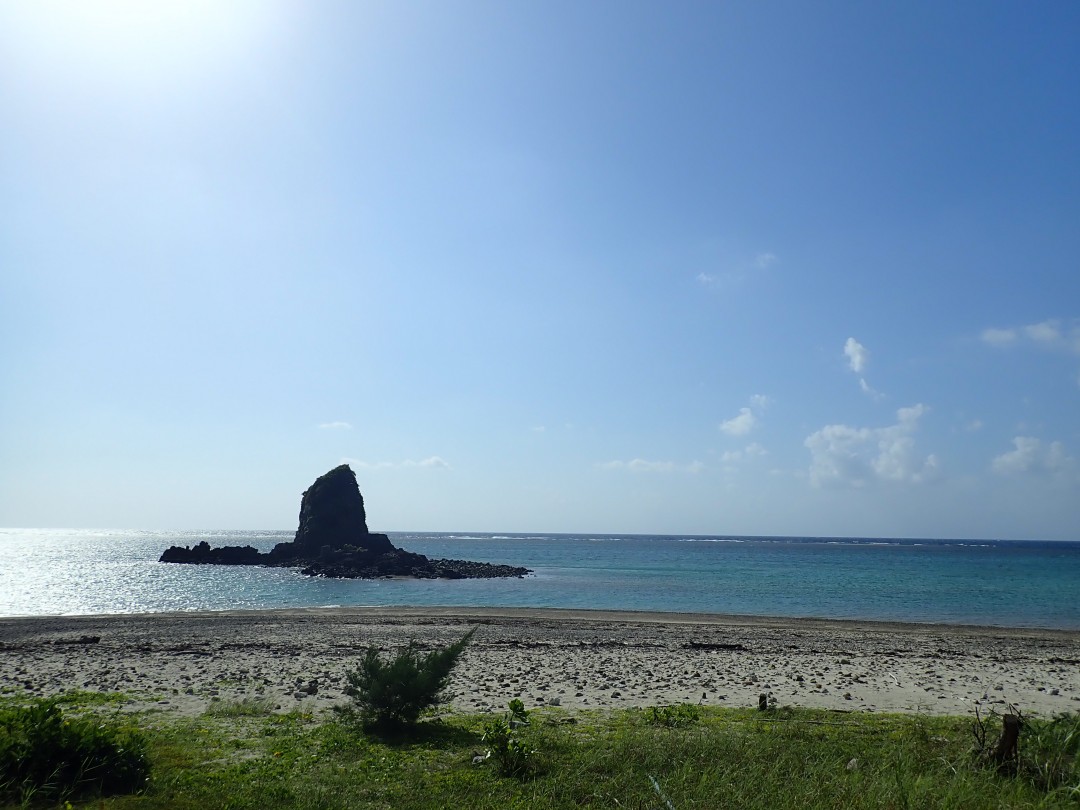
[[184, 662], [565, 614]]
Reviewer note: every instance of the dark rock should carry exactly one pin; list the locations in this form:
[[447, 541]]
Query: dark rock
[[203, 553], [332, 514], [333, 540]]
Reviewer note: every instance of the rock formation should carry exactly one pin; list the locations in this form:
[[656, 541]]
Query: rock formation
[[332, 540]]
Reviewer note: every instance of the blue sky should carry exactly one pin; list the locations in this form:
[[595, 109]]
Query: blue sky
[[767, 268]]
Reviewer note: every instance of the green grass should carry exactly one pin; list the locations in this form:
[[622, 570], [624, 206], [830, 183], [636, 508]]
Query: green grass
[[244, 757], [248, 707]]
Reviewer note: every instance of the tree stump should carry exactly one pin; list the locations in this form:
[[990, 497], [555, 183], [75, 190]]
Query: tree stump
[[1008, 747]]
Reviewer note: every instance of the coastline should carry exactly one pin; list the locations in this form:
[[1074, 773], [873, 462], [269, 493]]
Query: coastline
[[576, 659]]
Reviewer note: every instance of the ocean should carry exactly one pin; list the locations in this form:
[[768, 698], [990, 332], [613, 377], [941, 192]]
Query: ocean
[[1002, 583]]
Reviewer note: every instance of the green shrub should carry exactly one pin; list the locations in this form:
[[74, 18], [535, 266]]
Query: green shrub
[[45, 754], [684, 714], [386, 695], [511, 754]]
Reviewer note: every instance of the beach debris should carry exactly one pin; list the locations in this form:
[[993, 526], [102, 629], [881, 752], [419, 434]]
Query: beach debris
[[79, 640], [762, 702], [660, 793], [706, 645]]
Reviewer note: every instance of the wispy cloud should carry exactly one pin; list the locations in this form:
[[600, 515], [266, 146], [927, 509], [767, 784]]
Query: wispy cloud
[[858, 358], [999, 337], [432, 462], [335, 426], [1051, 334], [751, 451], [640, 465], [733, 276], [852, 456], [869, 390]]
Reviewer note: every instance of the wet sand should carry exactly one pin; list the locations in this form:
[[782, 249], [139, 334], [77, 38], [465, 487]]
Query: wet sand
[[185, 662]]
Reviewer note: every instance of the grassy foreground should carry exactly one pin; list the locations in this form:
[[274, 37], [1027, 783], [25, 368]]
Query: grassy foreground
[[243, 756]]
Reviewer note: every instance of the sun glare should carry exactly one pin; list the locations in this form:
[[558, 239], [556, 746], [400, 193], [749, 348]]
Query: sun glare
[[137, 40]]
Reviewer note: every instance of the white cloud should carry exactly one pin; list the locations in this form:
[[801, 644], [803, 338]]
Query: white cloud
[[871, 392], [857, 355], [999, 337], [739, 425], [705, 278], [1030, 455], [1050, 334], [432, 462], [335, 426], [974, 425], [1047, 332], [640, 465], [753, 450], [746, 420], [844, 455], [764, 260], [909, 416]]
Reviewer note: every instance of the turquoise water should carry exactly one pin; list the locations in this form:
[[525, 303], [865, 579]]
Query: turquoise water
[[1018, 584]]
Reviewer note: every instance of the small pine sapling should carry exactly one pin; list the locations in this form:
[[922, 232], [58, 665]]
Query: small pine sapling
[[389, 694]]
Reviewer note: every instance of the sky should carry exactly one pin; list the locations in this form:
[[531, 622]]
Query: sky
[[754, 268]]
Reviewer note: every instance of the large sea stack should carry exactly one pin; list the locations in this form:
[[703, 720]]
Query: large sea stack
[[333, 540]]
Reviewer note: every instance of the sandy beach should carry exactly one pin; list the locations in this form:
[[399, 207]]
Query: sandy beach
[[184, 662]]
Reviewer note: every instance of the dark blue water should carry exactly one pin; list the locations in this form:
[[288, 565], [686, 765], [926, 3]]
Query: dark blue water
[[1019, 584]]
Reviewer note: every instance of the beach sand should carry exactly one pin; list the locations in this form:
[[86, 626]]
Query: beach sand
[[184, 662]]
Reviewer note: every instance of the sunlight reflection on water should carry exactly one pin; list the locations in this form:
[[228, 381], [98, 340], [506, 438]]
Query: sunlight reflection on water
[[45, 572]]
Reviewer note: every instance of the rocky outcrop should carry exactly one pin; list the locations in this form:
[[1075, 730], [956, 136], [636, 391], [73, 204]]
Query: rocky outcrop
[[332, 523], [203, 553], [332, 540]]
